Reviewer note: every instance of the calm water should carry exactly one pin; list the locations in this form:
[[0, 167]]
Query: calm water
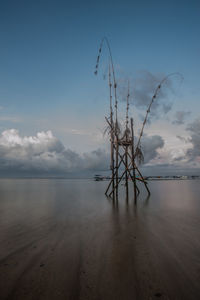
[[29, 202], [156, 242]]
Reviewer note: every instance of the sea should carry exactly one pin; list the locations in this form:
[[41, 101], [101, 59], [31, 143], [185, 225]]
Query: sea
[[105, 246]]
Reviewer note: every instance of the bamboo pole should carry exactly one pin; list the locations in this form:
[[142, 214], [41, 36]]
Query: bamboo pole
[[126, 169], [133, 161], [126, 137], [121, 177], [116, 155], [111, 131], [116, 102], [143, 180], [114, 174], [126, 174], [112, 181]]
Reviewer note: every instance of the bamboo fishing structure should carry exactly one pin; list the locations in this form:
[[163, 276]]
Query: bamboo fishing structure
[[125, 153]]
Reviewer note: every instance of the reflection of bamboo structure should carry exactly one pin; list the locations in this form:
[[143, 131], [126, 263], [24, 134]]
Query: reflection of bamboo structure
[[124, 151]]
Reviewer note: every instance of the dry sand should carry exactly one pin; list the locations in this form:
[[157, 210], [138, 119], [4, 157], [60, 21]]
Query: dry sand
[[67, 241]]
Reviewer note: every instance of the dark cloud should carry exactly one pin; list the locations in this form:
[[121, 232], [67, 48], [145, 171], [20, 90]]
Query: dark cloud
[[180, 117], [170, 170], [143, 87], [180, 158], [150, 145], [183, 139], [194, 129]]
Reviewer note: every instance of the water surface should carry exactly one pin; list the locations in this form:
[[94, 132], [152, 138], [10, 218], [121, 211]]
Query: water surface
[[63, 239]]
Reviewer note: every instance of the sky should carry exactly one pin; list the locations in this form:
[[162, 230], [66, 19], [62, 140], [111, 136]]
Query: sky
[[52, 107]]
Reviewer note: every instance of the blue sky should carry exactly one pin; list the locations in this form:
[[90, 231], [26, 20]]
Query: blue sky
[[48, 53]]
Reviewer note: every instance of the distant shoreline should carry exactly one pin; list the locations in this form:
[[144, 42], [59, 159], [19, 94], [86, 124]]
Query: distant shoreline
[[106, 179]]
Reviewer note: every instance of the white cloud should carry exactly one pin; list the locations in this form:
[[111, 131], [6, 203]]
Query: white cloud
[[44, 153]]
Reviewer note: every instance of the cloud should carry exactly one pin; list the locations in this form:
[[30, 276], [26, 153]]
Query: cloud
[[194, 152], [33, 152], [150, 145], [183, 139], [45, 154], [169, 169], [180, 117], [142, 89]]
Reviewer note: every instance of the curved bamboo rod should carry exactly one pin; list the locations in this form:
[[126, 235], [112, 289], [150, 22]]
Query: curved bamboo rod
[[151, 102], [105, 40]]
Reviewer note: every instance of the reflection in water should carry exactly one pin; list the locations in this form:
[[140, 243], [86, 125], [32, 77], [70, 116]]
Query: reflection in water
[[127, 192], [109, 247], [146, 202], [127, 202], [157, 237]]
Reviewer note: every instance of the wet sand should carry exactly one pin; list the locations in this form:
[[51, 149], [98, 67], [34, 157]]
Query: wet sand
[[63, 239]]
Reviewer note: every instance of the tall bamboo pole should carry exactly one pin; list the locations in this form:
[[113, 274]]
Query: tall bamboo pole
[[116, 112], [111, 131], [133, 160], [116, 139], [115, 126], [126, 137]]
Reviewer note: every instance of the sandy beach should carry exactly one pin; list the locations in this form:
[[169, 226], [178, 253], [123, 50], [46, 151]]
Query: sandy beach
[[63, 239]]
